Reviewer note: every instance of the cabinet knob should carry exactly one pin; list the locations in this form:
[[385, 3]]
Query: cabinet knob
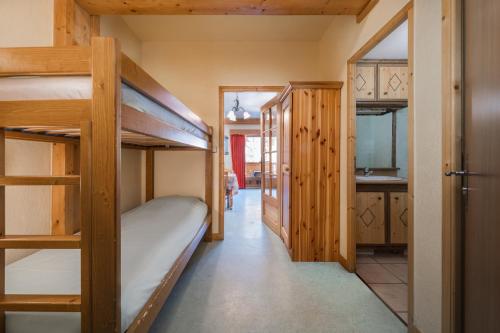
[[380, 198], [386, 93], [369, 93]]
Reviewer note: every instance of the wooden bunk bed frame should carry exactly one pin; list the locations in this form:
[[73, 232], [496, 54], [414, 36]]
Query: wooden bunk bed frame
[[100, 127]]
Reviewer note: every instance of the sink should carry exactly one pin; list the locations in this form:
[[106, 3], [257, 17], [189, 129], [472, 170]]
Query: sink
[[378, 179]]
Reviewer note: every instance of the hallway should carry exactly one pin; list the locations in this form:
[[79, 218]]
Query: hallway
[[247, 283]]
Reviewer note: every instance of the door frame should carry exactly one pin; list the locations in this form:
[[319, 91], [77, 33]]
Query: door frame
[[222, 89], [406, 13], [452, 83]]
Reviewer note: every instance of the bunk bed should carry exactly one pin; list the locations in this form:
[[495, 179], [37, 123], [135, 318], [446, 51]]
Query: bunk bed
[[98, 99]]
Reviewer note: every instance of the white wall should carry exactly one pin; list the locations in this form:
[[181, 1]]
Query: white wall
[[26, 23], [193, 71], [133, 161], [427, 168], [115, 26]]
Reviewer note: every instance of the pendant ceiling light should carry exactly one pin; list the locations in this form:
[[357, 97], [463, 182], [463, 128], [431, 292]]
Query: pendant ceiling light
[[237, 111]]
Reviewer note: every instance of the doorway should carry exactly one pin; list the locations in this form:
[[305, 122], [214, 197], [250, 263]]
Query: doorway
[[380, 159], [241, 172]]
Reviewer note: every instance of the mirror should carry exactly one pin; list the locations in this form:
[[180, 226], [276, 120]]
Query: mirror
[[382, 141]]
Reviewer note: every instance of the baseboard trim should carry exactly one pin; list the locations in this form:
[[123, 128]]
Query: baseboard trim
[[343, 262], [413, 329], [218, 236]]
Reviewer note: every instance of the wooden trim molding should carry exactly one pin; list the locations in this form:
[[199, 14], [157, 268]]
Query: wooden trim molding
[[452, 151], [366, 10], [222, 90], [242, 122]]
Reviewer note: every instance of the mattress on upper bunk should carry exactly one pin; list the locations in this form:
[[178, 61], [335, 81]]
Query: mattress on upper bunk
[[19, 88], [152, 238]]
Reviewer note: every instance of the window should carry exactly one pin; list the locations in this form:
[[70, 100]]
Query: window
[[270, 135], [252, 149]]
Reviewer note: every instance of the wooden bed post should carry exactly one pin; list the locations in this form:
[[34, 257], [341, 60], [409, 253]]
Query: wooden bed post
[[106, 156], [65, 199], [2, 226], [209, 176], [150, 174]]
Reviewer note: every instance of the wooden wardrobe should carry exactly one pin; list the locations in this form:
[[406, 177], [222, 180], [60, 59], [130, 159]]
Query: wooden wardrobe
[[305, 210]]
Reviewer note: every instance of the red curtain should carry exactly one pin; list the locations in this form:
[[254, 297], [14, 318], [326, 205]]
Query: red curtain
[[238, 158]]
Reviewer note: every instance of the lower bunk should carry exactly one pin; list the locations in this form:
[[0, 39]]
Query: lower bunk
[[157, 240]]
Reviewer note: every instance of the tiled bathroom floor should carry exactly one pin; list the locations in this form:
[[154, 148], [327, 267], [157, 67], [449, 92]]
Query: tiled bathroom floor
[[387, 276]]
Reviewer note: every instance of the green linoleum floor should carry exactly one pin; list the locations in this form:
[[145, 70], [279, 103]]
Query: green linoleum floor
[[247, 283]]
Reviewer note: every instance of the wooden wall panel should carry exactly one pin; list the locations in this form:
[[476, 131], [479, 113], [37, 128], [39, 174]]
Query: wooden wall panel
[[315, 174]]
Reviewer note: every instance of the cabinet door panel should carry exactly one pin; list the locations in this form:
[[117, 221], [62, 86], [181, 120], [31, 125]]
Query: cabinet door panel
[[365, 82], [370, 217], [393, 82], [399, 218]]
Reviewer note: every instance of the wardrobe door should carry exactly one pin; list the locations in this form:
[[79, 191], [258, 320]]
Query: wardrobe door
[[286, 171]]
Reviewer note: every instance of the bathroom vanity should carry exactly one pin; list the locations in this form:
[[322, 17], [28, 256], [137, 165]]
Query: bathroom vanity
[[381, 211]]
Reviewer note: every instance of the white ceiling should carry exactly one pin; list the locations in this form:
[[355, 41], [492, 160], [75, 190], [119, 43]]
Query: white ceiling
[[250, 101], [228, 27], [394, 46]]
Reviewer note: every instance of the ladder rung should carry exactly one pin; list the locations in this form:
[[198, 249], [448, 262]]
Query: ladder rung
[[40, 303], [40, 242], [34, 180]]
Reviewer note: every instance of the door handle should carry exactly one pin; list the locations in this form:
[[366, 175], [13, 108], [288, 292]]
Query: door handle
[[460, 173]]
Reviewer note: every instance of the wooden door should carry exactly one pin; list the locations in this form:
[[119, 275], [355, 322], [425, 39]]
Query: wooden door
[[270, 162], [481, 279], [365, 82], [286, 148], [393, 82], [399, 217], [370, 218]]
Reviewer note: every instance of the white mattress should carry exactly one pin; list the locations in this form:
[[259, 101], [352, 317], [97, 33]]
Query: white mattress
[[153, 236], [18, 88]]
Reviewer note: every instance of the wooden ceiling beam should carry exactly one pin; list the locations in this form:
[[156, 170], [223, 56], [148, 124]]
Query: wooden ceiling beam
[[366, 10], [220, 7]]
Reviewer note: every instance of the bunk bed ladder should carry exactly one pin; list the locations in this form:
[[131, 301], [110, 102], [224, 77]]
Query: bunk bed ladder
[[50, 303]]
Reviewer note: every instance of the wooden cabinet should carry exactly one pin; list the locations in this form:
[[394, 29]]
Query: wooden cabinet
[[370, 217], [309, 169], [381, 214], [365, 82], [399, 217], [381, 82], [393, 82]]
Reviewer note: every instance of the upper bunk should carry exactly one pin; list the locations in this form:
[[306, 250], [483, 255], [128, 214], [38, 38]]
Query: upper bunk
[[55, 86]]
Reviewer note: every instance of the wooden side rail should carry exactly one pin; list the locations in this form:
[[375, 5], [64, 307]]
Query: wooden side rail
[[139, 122], [45, 61], [137, 78], [40, 242]]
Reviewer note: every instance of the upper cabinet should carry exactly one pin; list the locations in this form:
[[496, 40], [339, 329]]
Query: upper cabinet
[[380, 82], [393, 82], [366, 82]]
